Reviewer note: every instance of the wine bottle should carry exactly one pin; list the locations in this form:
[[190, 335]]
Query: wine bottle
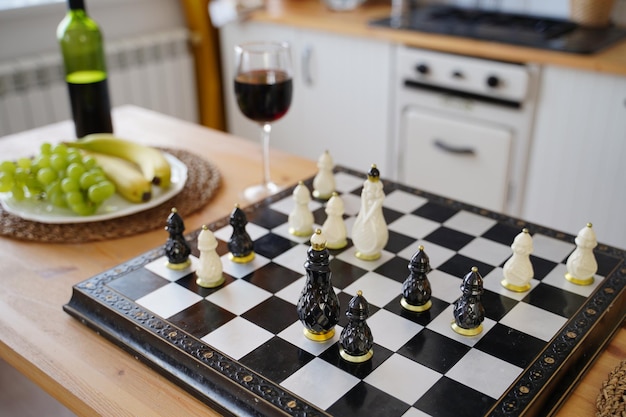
[[82, 48]]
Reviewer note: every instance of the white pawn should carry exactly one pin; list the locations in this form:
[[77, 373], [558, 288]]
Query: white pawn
[[369, 232], [581, 264], [334, 228], [518, 270], [324, 181], [301, 218], [209, 271]]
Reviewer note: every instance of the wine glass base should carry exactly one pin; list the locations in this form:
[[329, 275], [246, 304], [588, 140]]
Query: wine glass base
[[260, 191]]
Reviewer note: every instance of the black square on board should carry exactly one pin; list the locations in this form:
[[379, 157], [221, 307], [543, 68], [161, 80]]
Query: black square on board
[[496, 305], [359, 370], [391, 215], [502, 233], [344, 273], [436, 212], [449, 238], [366, 397], [398, 241], [459, 266], [606, 263], [448, 398], [276, 359], [137, 283], [541, 267], [273, 314], [422, 318], [396, 268], [266, 217], [272, 277], [434, 350], [510, 345], [555, 300], [201, 318], [271, 245]]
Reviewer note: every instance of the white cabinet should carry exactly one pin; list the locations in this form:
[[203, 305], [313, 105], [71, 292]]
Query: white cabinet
[[341, 94], [577, 170]]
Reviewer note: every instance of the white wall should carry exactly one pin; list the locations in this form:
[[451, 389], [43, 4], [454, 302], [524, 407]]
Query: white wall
[[32, 30]]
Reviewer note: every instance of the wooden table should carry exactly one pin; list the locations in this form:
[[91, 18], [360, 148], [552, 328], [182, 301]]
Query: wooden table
[[91, 376]]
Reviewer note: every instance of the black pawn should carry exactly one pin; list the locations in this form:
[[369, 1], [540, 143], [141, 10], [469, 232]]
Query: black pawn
[[177, 249], [416, 291], [318, 305], [469, 312], [240, 244], [356, 338]]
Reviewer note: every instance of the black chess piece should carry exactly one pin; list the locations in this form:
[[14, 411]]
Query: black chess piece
[[240, 244], [177, 249], [469, 312], [356, 338], [416, 291], [318, 305]]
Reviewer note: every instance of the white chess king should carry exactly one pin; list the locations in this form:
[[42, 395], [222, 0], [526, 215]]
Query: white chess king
[[581, 264], [518, 270], [369, 232]]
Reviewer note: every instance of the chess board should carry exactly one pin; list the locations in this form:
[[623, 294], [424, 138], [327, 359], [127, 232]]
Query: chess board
[[241, 349]]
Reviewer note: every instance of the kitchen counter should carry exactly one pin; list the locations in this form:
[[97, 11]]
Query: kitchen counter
[[312, 14], [91, 376]]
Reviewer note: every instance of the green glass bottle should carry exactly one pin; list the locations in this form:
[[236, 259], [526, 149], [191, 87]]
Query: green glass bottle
[[82, 48]]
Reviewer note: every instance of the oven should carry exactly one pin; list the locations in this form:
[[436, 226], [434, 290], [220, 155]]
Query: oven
[[462, 126]]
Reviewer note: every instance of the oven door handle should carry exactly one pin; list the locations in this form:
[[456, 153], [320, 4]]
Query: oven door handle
[[457, 150]]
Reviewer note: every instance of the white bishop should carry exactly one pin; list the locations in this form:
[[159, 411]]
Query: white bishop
[[518, 270], [581, 264]]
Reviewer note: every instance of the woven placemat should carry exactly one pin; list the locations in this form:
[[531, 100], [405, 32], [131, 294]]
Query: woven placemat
[[612, 398], [203, 179]]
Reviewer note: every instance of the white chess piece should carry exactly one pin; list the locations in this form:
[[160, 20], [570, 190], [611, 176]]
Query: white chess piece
[[369, 232], [334, 228], [581, 264], [209, 271], [301, 219], [324, 181], [518, 270]]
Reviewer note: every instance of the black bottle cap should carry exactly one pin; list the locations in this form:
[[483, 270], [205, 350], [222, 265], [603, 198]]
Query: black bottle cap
[[76, 4]]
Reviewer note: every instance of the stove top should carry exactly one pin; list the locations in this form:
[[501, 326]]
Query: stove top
[[534, 31]]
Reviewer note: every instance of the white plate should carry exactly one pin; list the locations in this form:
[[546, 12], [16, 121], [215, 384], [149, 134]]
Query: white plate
[[114, 207]]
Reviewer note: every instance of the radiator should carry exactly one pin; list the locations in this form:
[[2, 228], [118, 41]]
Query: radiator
[[155, 72]]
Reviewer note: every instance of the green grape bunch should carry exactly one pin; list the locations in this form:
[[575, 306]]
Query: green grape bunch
[[59, 175]]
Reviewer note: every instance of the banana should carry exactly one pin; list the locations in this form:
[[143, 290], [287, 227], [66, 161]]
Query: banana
[[129, 181], [150, 161]]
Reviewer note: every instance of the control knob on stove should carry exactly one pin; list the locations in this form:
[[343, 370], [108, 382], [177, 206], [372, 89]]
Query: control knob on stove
[[493, 81], [422, 69]]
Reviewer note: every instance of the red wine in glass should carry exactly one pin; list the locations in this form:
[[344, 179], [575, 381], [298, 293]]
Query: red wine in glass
[[263, 95]]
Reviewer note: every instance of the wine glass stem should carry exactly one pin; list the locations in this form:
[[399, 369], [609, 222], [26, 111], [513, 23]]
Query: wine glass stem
[[265, 143]]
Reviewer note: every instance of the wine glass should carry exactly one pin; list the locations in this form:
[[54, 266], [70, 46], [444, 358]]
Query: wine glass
[[263, 89]]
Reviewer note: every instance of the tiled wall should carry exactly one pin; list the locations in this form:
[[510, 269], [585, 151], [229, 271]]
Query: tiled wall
[[555, 8]]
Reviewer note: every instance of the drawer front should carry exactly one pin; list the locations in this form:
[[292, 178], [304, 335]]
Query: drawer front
[[461, 159]]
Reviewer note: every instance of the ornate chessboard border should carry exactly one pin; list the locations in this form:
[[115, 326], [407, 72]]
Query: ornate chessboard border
[[233, 389]]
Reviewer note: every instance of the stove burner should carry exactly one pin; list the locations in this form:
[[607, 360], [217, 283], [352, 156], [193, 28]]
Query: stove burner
[[534, 31]]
